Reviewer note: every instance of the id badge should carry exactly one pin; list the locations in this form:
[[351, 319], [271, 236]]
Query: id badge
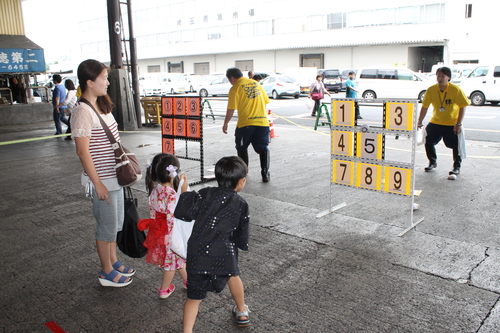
[[442, 109]]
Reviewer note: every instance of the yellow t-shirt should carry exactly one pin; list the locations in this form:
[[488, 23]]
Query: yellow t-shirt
[[446, 104], [249, 98]]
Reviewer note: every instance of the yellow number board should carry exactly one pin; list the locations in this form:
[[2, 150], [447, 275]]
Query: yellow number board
[[342, 143], [343, 172], [343, 113], [399, 116], [397, 180], [369, 176]]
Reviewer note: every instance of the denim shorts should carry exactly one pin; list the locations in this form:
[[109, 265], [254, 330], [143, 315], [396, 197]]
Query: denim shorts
[[110, 217]]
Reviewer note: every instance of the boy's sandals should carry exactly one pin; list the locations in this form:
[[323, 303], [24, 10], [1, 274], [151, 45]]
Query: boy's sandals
[[127, 271], [107, 280], [238, 314]]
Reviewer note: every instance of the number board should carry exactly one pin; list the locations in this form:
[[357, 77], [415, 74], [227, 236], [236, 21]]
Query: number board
[[167, 126], [342, 143], [343, 172], [369, 176], [180, 106], [168, 146], [167, 109], [343, 113], [397, 180], [370, 145], [193, 108], [193, 128], [399, 116]]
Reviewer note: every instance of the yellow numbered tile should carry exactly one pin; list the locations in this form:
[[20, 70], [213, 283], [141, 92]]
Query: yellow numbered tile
[[369, 145], [343, 113], [342, 143], [369, 176], [399, 116], [343, 172], [397, 180]]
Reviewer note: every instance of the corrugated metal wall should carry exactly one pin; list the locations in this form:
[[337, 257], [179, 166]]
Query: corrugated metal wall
[[11, 18]]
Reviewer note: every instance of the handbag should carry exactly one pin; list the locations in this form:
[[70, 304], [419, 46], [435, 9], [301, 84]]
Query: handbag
[[316, 96], [181, 231], [128, 170], [130, 239]]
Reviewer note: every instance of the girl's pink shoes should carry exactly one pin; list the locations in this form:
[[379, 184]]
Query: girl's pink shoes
[[164, 293]]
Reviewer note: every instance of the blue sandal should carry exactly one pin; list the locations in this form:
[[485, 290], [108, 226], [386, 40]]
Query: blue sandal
[[107, 280], [130, 271]]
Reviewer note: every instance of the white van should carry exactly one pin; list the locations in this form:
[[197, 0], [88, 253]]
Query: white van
[[483, 85], [162, 83], [391, 82]]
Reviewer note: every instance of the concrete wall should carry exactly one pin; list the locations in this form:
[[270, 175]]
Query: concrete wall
[[19, 114]]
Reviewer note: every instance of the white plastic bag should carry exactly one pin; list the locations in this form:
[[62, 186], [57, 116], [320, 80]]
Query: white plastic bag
[[181, 231], [309, 103], [421, 134]]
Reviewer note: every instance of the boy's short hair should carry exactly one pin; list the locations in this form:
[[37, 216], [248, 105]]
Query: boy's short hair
[[445, 70], [229, 170]]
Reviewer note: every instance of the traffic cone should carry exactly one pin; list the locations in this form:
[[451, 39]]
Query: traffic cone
[[271, 124]]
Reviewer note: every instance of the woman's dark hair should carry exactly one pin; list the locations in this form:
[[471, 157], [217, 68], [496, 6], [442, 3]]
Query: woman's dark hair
[[318, 76], [158, 173], [229, 170], [69, 84], [257, 77], [89, 70]]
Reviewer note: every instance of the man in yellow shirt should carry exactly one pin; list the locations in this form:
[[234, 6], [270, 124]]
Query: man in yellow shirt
[[449, 102], [249, 98]]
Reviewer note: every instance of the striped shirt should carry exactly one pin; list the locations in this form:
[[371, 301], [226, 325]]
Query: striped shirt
[[85, 123]]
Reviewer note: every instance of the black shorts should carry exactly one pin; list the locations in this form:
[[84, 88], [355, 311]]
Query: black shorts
[[258, 136], [199, 284]]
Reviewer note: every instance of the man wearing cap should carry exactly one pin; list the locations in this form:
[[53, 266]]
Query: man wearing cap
[[449, 103]]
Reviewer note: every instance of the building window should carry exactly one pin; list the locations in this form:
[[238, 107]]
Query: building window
[[468, 10], [154, 69], [191, 20]]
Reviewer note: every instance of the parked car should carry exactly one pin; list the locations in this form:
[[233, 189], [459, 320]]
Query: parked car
[[331, 79], [458, 72], [195, 82], [387, 82], [162, 83], [483, 85], [277, 86], [219, 86]]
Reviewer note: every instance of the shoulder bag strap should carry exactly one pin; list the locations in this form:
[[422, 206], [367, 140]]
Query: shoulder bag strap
[[110, 135]]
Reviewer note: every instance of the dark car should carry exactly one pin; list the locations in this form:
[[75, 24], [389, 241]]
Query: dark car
[[331, 79]]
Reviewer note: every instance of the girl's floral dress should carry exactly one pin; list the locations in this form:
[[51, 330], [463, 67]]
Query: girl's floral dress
[[161, 206]]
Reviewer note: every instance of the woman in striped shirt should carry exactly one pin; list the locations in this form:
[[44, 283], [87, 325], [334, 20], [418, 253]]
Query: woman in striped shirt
[[99, 175]]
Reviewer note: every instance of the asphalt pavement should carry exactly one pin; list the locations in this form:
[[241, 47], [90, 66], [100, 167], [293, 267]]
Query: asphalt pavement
[[347, 271]]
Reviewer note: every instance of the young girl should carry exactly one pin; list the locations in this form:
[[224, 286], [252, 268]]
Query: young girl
[[162, 180]]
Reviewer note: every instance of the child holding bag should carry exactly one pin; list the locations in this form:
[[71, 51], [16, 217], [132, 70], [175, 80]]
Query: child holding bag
[[162, 178], [220, 229]]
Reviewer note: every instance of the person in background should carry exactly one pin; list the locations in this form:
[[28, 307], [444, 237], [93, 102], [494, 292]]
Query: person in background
[[70, 102], [58, 97], [221, 227], [316, 92], [249, 98], [449, 102], [250, 74], [351, 92], [257, 77]]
